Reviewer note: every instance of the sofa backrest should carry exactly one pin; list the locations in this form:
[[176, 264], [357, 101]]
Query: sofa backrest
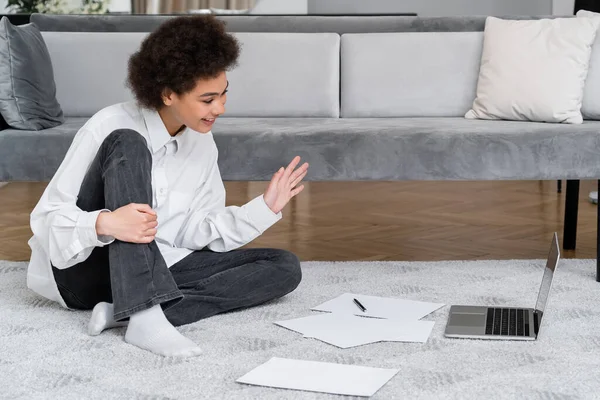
[[279, 74], [271, 23], [425, 74], [90, 69], [390, 65]]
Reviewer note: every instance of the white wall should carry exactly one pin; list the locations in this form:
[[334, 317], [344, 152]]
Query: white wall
[[427, 8], [280, 7], [119, 6], [445, 7]]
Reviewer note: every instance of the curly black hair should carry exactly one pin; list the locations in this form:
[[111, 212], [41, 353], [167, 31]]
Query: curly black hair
[[179, 53]]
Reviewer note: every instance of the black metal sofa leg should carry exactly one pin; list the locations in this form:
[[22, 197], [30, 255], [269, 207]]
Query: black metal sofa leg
[[571, 210]]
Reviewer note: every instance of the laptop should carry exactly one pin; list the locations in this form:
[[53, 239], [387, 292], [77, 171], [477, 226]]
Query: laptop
[[504, 323]]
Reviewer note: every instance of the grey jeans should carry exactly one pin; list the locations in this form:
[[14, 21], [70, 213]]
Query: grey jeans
[[134, 276]]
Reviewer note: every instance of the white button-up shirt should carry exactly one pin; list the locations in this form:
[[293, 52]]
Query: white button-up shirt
[[187, 190]]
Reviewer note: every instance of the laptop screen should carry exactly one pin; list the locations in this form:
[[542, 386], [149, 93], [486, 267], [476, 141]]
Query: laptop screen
[[551, 264]]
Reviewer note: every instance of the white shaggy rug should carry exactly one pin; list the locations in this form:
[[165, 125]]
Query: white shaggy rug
[[45, 352]]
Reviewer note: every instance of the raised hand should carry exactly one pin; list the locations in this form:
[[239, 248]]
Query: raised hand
[[284, 185]]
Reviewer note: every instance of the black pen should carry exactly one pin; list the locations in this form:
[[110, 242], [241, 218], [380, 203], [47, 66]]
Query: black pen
[[362, 308]]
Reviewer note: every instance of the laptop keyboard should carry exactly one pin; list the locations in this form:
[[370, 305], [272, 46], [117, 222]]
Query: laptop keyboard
[[507, 322]]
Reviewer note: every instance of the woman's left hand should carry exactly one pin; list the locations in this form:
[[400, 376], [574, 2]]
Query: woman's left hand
[[284, 185]]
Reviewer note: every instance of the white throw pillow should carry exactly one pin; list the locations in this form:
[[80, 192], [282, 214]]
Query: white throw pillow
[[590, 107], [534, 70]]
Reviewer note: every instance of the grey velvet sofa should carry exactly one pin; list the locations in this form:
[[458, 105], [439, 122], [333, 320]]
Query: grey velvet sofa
[[359, 98]]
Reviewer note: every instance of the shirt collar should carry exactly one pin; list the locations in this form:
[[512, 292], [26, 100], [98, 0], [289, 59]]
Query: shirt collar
[[157, 132]]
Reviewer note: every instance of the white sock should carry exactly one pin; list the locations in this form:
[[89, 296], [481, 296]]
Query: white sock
[[150, 330], [103, 318]]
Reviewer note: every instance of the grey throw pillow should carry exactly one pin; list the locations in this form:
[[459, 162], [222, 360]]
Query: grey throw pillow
[[27, 88]]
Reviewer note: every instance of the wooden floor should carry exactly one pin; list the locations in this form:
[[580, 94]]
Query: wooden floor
[[341, 221]]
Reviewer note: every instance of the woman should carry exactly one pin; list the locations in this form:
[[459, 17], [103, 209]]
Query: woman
[[133, 224]]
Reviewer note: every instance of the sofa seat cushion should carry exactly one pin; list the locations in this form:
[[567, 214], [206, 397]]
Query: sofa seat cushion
[[359, 149], [35, 155], [409, 148]]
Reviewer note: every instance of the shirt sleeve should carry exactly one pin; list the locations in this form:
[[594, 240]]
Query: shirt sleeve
[[210, 224], [67, 233]]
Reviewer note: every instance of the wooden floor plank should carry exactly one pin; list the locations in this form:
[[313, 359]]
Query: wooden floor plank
[[342, 221]]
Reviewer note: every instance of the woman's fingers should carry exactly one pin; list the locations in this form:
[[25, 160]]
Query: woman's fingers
[[298, 172], [296, 181], [151, 232], [290, 168], [145, 239], [277, 177], [152, 224], [296, 191]]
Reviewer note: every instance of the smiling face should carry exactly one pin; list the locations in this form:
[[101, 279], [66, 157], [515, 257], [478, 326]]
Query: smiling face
[[197, 109]]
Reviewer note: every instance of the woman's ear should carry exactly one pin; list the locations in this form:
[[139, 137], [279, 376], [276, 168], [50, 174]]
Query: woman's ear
[[167, 96]]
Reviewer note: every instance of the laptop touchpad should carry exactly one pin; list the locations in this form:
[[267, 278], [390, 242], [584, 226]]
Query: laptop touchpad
[[467, 319]]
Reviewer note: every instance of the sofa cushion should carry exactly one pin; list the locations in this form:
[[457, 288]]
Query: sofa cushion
[[27, 88], [279, 74], [286, 75], [359, 149], [90, 69], [590, 108], [409, 149], [35, 155], [534, 70], [409, 74]]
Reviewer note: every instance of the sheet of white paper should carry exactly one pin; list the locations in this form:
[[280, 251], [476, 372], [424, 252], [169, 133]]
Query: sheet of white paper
[[317, 376], [303, 324], [341, 330], [413, 331], [379, 307], [371, 330], [347, 330]]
